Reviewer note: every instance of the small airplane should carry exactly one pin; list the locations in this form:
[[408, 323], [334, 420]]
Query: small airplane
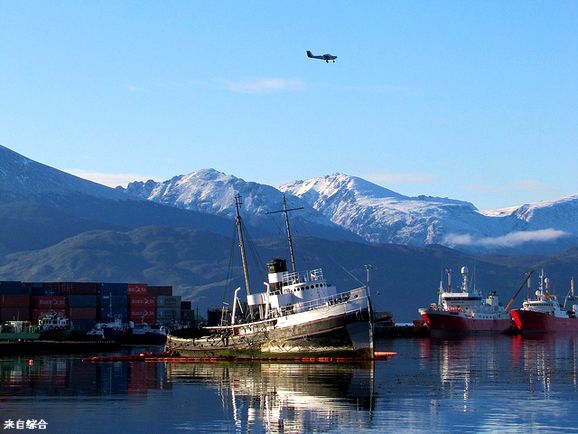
[[326, 57]]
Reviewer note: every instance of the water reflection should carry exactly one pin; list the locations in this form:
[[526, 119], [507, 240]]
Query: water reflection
[[62, 376], [278, 397], [535, 361], [475, 384]]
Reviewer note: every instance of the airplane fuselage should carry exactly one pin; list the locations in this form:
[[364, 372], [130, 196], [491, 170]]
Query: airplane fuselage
[[327, 57]]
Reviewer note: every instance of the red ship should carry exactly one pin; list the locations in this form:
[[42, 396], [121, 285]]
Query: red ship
[[465, 311], [544, 313]]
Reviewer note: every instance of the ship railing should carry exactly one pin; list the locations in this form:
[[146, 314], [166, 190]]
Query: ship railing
[[342, 297], [292, 278]]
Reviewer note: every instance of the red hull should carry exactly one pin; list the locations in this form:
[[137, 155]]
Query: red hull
[[530, 321], [446, 322]]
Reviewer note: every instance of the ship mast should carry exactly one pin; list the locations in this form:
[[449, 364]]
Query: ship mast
[[242, 243], [285, 211]]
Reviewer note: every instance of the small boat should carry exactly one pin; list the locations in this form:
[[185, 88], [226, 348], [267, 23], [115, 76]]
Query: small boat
[[55, 327], [544, 313], [114, 330], [19, 331], [465, 311], [299, 314], [147, 334]]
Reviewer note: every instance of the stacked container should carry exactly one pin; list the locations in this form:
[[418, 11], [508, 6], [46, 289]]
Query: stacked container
[[43, 305], [187, 314], [142, 309], [113, 302], [160, 290], [168, 309], [14, 301]]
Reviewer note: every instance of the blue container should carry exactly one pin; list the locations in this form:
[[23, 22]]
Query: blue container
[[13, 287], [112, 288], [82, 301], [44, 291]]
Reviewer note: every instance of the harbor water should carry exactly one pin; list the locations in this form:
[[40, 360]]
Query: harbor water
[[477, 384]]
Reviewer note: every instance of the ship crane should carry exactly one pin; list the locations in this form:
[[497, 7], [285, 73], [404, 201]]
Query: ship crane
[[509, 305]]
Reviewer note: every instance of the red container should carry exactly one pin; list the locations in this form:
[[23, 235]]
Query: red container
[[14, 314], [48, 302], [142, 301], [160, 290], [36, 314], [137, 289], [15, 300], [141, 314], [82, 313]]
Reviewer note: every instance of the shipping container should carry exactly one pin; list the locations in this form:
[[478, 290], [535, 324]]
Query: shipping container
[[15, 300], [142, 300], [107, 315], [36, 314], [168, 315], [78, 288], [143, 319], [82, 301], [43, 291], [48, 301], [169, 301], [160, 290], [13, 287], [137, 289], [187, 315], [75, 313], [112, 288], [21, 313]]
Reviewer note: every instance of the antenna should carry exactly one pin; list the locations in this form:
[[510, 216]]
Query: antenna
[[285, 211]]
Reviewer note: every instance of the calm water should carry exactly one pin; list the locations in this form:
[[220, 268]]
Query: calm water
[[483, 384]]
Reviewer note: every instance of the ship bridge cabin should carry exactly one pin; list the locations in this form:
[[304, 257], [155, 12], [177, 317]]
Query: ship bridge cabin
[[290, 290]]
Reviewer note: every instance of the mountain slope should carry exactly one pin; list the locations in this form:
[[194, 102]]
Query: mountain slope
[[40, 205], [196, 264], [213, 192]]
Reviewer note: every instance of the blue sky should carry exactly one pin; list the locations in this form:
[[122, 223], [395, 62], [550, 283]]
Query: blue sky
[[470, 100]]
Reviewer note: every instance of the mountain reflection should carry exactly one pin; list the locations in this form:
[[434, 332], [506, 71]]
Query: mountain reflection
[[279, 397]]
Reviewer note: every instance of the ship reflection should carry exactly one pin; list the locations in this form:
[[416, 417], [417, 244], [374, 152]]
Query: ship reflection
[[278, 397], [463, 364], [546, 360]]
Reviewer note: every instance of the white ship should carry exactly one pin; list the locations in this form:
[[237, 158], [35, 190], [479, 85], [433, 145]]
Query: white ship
[[298, 315]]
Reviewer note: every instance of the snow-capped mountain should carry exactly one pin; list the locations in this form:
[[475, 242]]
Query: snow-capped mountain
[[381, 215], [376, 214], [213, 192]]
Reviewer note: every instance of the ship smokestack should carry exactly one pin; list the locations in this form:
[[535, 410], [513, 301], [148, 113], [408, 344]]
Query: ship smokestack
[[275, 270]]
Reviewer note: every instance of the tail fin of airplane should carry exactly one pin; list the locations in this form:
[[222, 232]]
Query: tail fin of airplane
[[309, 53]]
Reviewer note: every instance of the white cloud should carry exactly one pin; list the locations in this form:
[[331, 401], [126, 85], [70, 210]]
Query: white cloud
[[532, 186], [513, 239], [108, 179], [386, 178], [263, 85]]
